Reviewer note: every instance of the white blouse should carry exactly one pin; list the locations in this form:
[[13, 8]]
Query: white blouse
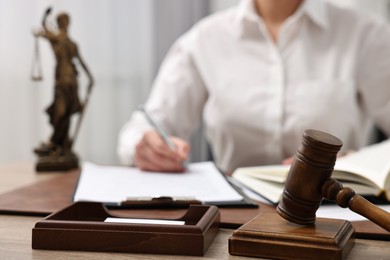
[[329, 70]]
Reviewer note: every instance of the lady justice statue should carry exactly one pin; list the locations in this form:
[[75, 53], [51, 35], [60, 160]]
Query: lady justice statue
[[57, 154]]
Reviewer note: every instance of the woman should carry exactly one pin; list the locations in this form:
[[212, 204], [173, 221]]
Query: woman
[[258, 75]]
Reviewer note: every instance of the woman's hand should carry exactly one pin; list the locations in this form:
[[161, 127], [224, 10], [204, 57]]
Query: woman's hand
[[288, 160], [153, 154]]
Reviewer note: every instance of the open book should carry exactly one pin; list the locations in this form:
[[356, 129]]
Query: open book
[[366, 171]]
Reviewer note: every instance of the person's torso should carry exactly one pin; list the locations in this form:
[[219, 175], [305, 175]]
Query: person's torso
[[262, 95]]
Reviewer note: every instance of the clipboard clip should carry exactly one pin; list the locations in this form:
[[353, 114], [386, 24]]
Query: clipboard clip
[[159, 202]]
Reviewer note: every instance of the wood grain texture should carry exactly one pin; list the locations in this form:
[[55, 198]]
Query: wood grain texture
[[16, 231], [269, 235], [15, 243]]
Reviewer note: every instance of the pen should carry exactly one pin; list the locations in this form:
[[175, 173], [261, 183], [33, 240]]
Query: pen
[[158, 128]]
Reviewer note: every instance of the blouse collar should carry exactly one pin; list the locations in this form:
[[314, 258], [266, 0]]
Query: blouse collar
[[315, 10]]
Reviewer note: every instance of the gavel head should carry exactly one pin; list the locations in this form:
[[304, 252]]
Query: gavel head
[[312, 166]]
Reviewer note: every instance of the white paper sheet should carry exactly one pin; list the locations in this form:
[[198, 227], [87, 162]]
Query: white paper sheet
[[145, 221], [334, 211], [114, 184]]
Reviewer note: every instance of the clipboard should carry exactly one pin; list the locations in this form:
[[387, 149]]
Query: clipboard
[[81, 227], [165, 202], [246, 202], [96, 177]]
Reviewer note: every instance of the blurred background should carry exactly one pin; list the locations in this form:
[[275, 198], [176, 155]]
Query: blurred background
[[123, 43]]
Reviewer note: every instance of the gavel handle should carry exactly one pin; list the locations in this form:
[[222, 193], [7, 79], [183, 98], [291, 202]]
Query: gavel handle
[[346, 197]]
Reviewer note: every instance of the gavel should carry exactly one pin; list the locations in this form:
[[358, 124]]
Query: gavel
[[309, 181]]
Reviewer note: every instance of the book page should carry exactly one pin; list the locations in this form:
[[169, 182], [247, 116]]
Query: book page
[[269, 190], [115, 184], [372, 162], [274, 173]]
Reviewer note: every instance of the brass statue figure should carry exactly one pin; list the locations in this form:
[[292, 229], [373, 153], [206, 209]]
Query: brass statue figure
[[57, 154]]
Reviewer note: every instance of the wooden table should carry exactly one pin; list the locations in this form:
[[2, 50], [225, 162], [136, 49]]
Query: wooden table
[[15, 231]]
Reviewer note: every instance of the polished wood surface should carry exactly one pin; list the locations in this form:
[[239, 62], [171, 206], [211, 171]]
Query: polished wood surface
[[15, 175], [15, 231], [270, 235], [298, 237]]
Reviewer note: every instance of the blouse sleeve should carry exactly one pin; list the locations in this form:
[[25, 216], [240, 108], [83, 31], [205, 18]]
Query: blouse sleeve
[[176, 100]]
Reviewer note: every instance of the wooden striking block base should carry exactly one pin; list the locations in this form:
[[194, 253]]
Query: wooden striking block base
[[270, 236]]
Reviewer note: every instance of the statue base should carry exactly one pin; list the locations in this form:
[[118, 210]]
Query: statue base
[[50, 163], [55, 160], [271, 236]]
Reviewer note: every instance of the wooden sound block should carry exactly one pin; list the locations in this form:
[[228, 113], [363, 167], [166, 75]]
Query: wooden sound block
[[270, 236]]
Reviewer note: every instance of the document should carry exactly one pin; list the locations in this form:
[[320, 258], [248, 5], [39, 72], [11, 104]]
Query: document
[[114, 185]]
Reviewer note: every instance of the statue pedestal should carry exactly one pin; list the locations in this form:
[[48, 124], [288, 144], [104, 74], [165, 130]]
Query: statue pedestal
[[56, 162], [271, 236]]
